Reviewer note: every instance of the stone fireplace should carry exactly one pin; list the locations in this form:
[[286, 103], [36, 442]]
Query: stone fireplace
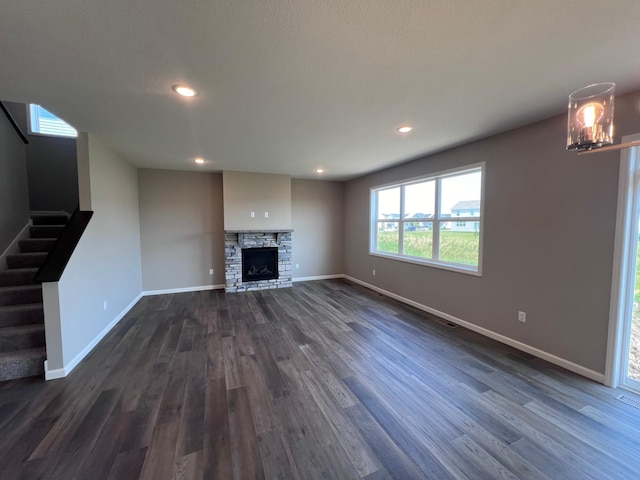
[[258, 273]]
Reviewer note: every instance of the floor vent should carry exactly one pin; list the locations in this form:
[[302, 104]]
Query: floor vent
[[629, 401], [444, 322]]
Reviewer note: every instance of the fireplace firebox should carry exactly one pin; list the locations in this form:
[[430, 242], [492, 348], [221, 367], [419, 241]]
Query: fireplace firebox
[[259, 264]]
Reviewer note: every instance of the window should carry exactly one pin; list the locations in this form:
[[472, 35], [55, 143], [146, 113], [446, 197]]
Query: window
[[434, 220], [43, 122]]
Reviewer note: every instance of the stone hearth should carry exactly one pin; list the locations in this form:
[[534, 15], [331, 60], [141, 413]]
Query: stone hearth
[[235, 241]]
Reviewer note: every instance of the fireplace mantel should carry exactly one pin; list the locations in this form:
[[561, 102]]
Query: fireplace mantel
[[277, 230]]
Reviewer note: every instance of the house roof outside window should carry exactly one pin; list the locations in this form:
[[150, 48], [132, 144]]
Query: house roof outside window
[[466, 205]]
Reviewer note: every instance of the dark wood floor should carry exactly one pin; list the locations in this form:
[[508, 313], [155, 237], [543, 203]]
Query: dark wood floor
[[323, 380]]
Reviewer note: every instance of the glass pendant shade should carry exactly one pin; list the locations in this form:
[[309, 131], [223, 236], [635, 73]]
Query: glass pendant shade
[[591, 117]]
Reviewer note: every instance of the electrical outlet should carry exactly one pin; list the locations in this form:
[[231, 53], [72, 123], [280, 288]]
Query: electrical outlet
[[522, 317], [374, 273], [266, 214], [253, 214], [211, 271], [297, 266], [105, 305]]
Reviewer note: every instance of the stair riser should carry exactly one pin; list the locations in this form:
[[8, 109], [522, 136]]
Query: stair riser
[[11, 343], [49, 219], [36, 245], [17, 297], [26, 261], [15, 318], [27, 367], [16, 277], [45, 231]]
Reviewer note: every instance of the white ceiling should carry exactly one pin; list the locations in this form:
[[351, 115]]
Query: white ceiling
[[287, 86]]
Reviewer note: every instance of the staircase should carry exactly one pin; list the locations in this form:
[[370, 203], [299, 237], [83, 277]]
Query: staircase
[[22, 340]]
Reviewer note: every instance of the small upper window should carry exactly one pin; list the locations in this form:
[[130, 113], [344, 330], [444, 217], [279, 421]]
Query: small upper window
[[43, 122]]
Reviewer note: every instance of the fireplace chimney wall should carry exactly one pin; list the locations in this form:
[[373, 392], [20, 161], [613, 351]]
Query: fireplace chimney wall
[[256, 201]]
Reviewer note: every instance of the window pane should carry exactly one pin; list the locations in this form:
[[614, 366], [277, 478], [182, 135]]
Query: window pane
[[389, 204], [459, 244], [633, 360], [420, 199], [460, 195], [46, 123], [387, 237], [418, 239]]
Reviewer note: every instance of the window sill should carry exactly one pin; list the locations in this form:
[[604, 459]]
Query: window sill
[[452, 267], [53, 135]]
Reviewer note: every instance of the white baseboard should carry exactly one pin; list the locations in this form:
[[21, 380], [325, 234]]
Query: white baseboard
[[561, 362], [200, 288], [53, 374], [63, 372], [318, 277], [13, 246]]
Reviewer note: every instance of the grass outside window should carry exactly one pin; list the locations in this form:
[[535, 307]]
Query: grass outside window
[[455, 247]]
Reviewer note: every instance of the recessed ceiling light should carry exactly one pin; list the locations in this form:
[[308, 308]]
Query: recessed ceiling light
[[199, 160], [319, 170], [185, 91], [405, 129]]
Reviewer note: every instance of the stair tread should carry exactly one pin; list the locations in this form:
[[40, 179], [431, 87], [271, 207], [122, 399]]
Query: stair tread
[[46, 231], [26, 259], [22, 275], [27, 362], [19, 270], [21, 307], [17, 288], [18, 329], [21, 314], [46, 218], [25, 352]]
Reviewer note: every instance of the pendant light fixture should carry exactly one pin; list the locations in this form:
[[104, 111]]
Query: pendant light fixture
[[591, 117]]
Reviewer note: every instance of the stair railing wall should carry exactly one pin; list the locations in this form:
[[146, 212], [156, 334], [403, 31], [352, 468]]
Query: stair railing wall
[[14, 185], [57, 260], [15, 125]]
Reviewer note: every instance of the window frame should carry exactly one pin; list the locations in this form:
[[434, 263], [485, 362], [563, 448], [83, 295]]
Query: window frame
[[435, 220], [31, 123]]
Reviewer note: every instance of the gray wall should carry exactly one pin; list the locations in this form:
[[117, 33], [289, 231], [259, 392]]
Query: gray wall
[[317, 209], [548, 239], [53, 176], [181, 229], [182, 233], [14, 193], [256, 192], [51, 167], [106, 265]]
